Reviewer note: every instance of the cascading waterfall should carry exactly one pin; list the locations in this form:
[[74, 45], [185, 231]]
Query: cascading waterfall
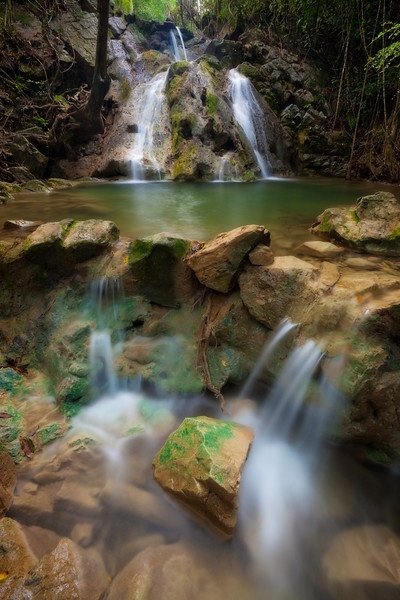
[[149, 112], [178, 50], [278, 487], [250, 117], [278, 337], [105, 294]]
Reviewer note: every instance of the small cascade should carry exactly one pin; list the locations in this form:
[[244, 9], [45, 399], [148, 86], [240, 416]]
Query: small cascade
[[278, 337], [149, 112], [279, 483], [250, 117], [105, 293], [178, 50], [226, 171]]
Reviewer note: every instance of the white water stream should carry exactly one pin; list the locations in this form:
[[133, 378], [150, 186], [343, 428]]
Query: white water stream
[[250, 117], [149, 112], [178, 45]]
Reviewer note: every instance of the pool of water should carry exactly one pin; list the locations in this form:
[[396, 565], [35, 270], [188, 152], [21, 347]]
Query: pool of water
[[200, 210]]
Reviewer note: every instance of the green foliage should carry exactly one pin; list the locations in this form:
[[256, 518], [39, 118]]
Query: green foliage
[[146, 9], [389, 55]]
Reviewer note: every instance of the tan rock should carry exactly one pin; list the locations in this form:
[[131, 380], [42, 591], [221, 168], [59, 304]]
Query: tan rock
[[201, 464], [16, 558], [330, 274], [261, 255], [364, 563], [285, 288], [218, 262], [86, 239], [8, 478], [179, 572], [67, 573], [41, 541], [320, 249], [364, 264], [21, 224]]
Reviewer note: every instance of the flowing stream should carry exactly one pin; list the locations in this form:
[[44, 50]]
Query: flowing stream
[[250, 117], [149, 113]]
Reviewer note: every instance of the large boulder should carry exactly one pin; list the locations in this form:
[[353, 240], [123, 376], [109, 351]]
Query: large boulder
[[372, 225], [285, 288], [201, 464], [159, 271], [68, 242], [8, 478], [218, 262]]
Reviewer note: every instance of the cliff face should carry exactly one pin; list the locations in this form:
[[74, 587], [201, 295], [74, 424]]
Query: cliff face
[[46, 72]]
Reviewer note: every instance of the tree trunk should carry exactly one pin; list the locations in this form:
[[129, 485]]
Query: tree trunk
[[89, 118]]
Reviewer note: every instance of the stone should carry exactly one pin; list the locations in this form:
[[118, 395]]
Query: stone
[[16, 558], [364, 264], [285, 288], [159, 271], [181, 571], [68, 242], [86, 239], [41, 541], [200, 464], [363, 563], [371, 226], [67, 573], [25, 153], [218, 262], [261, 255], [8, 479], [320, 249], [21, 224]]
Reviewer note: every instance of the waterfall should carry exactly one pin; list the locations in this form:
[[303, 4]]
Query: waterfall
[[279, 487], [149, 113], [226, 171], [105, 293], [278, 337], [250, 117], [179, 52]]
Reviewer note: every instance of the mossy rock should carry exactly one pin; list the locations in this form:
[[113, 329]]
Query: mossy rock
[[200, 464], [158, 269], [10, 380]]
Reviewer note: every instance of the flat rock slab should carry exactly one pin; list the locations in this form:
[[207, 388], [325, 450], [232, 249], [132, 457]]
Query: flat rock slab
[[201, 465], [320, 249], [218, 262], [21, 224]]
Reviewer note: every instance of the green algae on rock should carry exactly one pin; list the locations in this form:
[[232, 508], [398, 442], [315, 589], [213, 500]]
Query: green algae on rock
[[371, 226], [201, 464]]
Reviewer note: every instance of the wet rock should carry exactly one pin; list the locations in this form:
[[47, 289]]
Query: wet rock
[[41, 541], [364, 264], [180, 571], [286, 288], [26, 154], [67, 573], [320, 249], [16, 558], [372, 225], [21, 224], [69, 242], [8, 478], [201, 464], [157, 266], [218, 262], [86, 239], [261, 255], [363, 563]]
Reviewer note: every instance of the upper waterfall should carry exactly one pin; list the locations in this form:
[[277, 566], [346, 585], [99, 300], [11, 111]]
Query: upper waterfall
[[178, 49], [249, 116], [149, 112]]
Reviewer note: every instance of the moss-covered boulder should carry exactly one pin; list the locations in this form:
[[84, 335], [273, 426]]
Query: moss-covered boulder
[[218, 262], [372, 225], [160, 273], [68, 242], [201, 465]]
